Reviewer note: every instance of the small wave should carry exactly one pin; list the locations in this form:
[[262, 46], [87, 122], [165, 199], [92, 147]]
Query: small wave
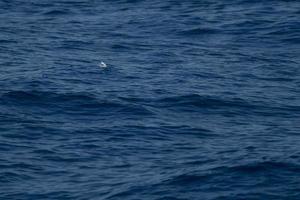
[[122, 47], [195, 100], [57, 12], [170, 198], [185, 179], [265, 166], [44, 97], [73, 103], [239, 106], [199, 32], [8, 177], [3, 41]]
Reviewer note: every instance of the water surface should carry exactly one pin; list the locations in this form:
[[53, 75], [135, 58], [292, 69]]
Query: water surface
[[200, 99]]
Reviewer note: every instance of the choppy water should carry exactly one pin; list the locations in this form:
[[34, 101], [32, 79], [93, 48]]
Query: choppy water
[[200, 99]]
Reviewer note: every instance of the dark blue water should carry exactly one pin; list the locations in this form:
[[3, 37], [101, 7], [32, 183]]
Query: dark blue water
[[200, 99]]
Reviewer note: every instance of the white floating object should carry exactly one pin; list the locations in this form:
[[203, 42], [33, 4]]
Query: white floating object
[[102, 65]]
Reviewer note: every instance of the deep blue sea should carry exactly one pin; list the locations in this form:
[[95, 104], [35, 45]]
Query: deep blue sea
[[200, 100]]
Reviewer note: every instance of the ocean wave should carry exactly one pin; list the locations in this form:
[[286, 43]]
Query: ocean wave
[[199, 32], [57, 12], [198, 103], [72, 103]]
